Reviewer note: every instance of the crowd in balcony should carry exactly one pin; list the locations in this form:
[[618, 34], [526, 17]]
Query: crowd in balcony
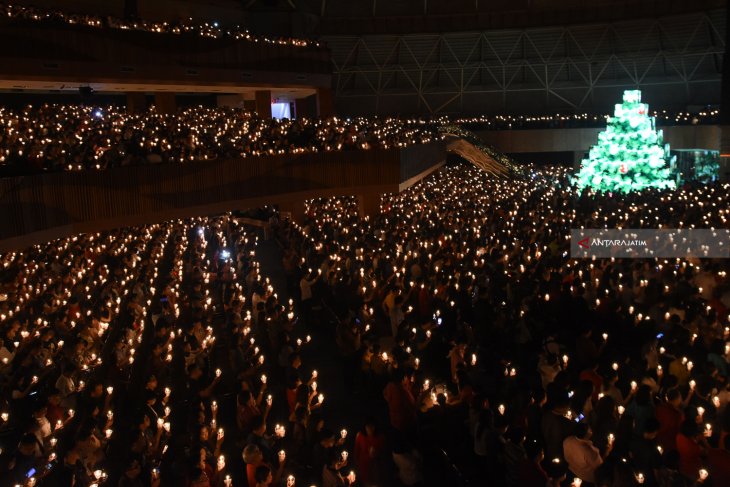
[[214, 30], [709, 115], [73, 138]]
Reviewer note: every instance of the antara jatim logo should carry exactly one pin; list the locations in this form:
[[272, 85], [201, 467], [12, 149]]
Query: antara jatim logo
[[585, 243]]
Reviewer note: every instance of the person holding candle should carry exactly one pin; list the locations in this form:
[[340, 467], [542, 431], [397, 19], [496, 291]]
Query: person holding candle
[[370, 445], [306, 294], [692, 447], [582, 456], [555, 427], [331, 475], [645, 452], [260, 439], [719, 462], [401, 402], [670, 414], [641, 408], [323, 448]]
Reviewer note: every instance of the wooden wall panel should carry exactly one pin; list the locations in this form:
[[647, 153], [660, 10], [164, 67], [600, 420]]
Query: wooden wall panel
[[94, 200]]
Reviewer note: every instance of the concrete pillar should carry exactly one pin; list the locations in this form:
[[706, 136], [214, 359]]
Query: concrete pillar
[[136, 102], [368, 204], [325, 102], [306, 107], [293, 210], [165, 103], [724, 151], [263, 103], [725, 106]]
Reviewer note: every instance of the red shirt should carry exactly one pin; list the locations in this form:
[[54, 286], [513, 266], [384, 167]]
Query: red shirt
[[367, 450], [531, 474], [719, 466], [54, 413], [669, 422], [401, 406], [291, 399], [689, 456]]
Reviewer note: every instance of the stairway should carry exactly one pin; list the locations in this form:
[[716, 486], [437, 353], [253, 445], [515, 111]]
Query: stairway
[[468, 146]]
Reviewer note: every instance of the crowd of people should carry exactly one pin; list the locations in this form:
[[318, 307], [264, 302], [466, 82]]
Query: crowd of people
[[460, 306], [155, 356], [75, 138], [161, 355], [580, 120], [213, 30]]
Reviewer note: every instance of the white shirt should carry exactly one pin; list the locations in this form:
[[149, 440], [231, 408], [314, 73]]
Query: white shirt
[[583, 458], [306, 288], [65, 385]]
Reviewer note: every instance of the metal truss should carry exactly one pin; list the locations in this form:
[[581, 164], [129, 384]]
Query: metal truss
[[677, 61]]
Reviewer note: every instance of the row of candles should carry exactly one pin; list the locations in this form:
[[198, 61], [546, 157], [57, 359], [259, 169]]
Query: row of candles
[[211, 30], [317, 397]]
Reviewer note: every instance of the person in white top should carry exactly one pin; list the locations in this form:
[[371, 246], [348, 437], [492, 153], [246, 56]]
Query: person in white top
[[583, 458], [305, 285], [65, 383]]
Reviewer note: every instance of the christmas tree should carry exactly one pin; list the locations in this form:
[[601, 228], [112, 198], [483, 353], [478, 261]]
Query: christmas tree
[[630, 154]]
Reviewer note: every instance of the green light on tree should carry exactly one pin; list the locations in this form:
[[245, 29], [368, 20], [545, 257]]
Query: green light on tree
[[630, 154]]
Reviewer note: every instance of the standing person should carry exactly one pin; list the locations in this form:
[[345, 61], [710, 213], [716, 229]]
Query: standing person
[[369, 446], [401, 403], [554, 425], [582, 456], [305, 288]]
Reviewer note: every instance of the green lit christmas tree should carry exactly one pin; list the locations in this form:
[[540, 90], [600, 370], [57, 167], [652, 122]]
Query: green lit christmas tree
[[630, 154]]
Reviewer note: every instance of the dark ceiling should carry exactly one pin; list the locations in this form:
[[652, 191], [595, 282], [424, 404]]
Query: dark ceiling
[[335, 17]]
